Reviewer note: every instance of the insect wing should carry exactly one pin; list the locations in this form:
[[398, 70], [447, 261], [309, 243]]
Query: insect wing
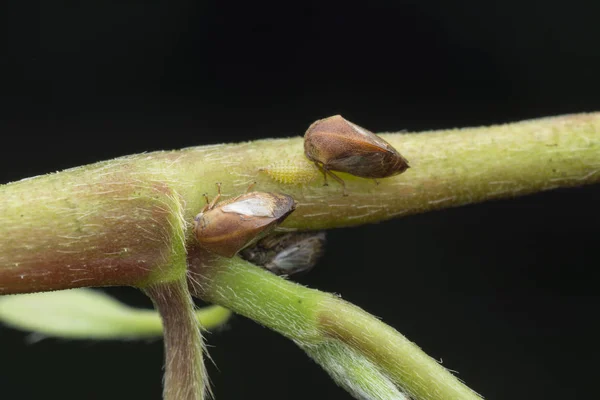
[[370, 165], [336, 134], [287, 254], [251, 207], [237, 223], [299, 257], [343, 146]]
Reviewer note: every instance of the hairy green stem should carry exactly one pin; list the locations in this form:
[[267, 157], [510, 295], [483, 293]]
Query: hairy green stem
[[185, 375], [353, 372], [112, 223], [127, 222], [317, 320]]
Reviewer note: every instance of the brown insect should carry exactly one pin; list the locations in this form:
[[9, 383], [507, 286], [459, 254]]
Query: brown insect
[[287, 253], [228, 227], [335, 144]]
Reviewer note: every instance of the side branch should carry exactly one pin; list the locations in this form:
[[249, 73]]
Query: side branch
[[326, 326], [185, 375]]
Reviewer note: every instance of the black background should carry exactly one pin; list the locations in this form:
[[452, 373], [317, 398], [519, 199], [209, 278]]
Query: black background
[[504, 292]]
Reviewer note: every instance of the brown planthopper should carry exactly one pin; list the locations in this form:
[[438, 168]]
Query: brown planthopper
[[287, 253], [335, 144], [228, 227]]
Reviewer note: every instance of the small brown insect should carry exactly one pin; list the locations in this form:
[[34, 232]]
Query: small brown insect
[[228, 227], [287, 253], [335, 144]]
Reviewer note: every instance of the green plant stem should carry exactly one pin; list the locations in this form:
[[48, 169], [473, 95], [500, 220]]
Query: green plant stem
[[127, 222], [353, 372], [185, 375], [112, 223], [315, 319]]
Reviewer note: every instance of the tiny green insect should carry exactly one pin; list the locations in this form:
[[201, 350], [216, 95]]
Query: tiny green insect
[[291, 171], [335, 144], [228, 227]]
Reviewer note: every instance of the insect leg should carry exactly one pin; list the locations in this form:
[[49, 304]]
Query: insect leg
[[337, 178], [217, 197], [250, 186], [207, 202], [322, 169]]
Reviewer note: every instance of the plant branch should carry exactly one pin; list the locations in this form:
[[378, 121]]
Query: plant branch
[[127, 222], [185, 375], [322, 322], [110, 223]]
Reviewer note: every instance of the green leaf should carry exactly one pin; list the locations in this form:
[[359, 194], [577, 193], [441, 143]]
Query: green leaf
[[90, 314]]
